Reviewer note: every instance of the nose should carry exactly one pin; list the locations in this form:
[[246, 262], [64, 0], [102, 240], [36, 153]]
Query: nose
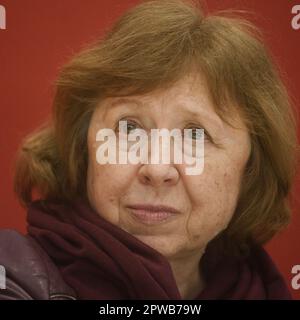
[[158, 175]]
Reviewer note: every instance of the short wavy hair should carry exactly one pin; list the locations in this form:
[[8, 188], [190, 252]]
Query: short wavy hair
[[152, 46]]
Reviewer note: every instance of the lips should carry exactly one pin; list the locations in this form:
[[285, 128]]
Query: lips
[[150, 214]]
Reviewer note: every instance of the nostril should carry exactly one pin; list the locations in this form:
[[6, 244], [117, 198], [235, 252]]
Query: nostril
[[147, 179]]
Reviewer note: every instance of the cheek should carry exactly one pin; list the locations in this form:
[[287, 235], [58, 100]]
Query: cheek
[[107, 185], [213, 196]]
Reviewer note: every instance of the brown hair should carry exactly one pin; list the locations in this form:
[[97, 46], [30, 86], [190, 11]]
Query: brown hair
[[151, 46]]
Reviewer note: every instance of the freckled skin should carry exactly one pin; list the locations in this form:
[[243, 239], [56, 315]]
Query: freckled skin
[[206, 202]]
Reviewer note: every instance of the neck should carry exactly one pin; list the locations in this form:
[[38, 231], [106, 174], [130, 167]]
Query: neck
[[188, 275]]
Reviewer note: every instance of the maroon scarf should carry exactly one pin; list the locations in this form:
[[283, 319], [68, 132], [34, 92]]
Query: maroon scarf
[[101, 261]]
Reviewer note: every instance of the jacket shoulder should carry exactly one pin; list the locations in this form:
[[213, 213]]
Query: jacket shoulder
[[28, 273]]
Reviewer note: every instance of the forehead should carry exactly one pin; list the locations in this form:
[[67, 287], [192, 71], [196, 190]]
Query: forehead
[[191, 87], [188, 95]]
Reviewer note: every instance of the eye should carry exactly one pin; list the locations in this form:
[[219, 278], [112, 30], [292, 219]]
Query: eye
[[131, 126], [196, 133], [126, 126]]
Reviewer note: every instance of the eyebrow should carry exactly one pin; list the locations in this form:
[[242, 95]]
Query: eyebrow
[[199, 116]]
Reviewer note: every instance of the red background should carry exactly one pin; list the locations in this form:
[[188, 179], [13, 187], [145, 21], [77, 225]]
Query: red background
[[43, 35]]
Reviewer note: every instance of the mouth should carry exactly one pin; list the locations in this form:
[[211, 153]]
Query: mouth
[[150, 214]]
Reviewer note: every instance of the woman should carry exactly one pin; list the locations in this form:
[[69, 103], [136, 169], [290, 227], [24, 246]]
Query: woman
[[149, 230]]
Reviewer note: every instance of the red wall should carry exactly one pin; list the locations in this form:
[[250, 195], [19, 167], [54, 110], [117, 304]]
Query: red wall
[[42, 35]]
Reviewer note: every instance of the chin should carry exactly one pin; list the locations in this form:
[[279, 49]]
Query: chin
[[165, 245]]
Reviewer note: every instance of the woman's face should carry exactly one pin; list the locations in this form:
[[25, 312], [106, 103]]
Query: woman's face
[[205, 203]]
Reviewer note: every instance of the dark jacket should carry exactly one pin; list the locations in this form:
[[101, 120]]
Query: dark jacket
[[30, 274]]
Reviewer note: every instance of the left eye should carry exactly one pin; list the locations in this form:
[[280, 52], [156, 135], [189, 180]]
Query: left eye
[[195, 133]]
